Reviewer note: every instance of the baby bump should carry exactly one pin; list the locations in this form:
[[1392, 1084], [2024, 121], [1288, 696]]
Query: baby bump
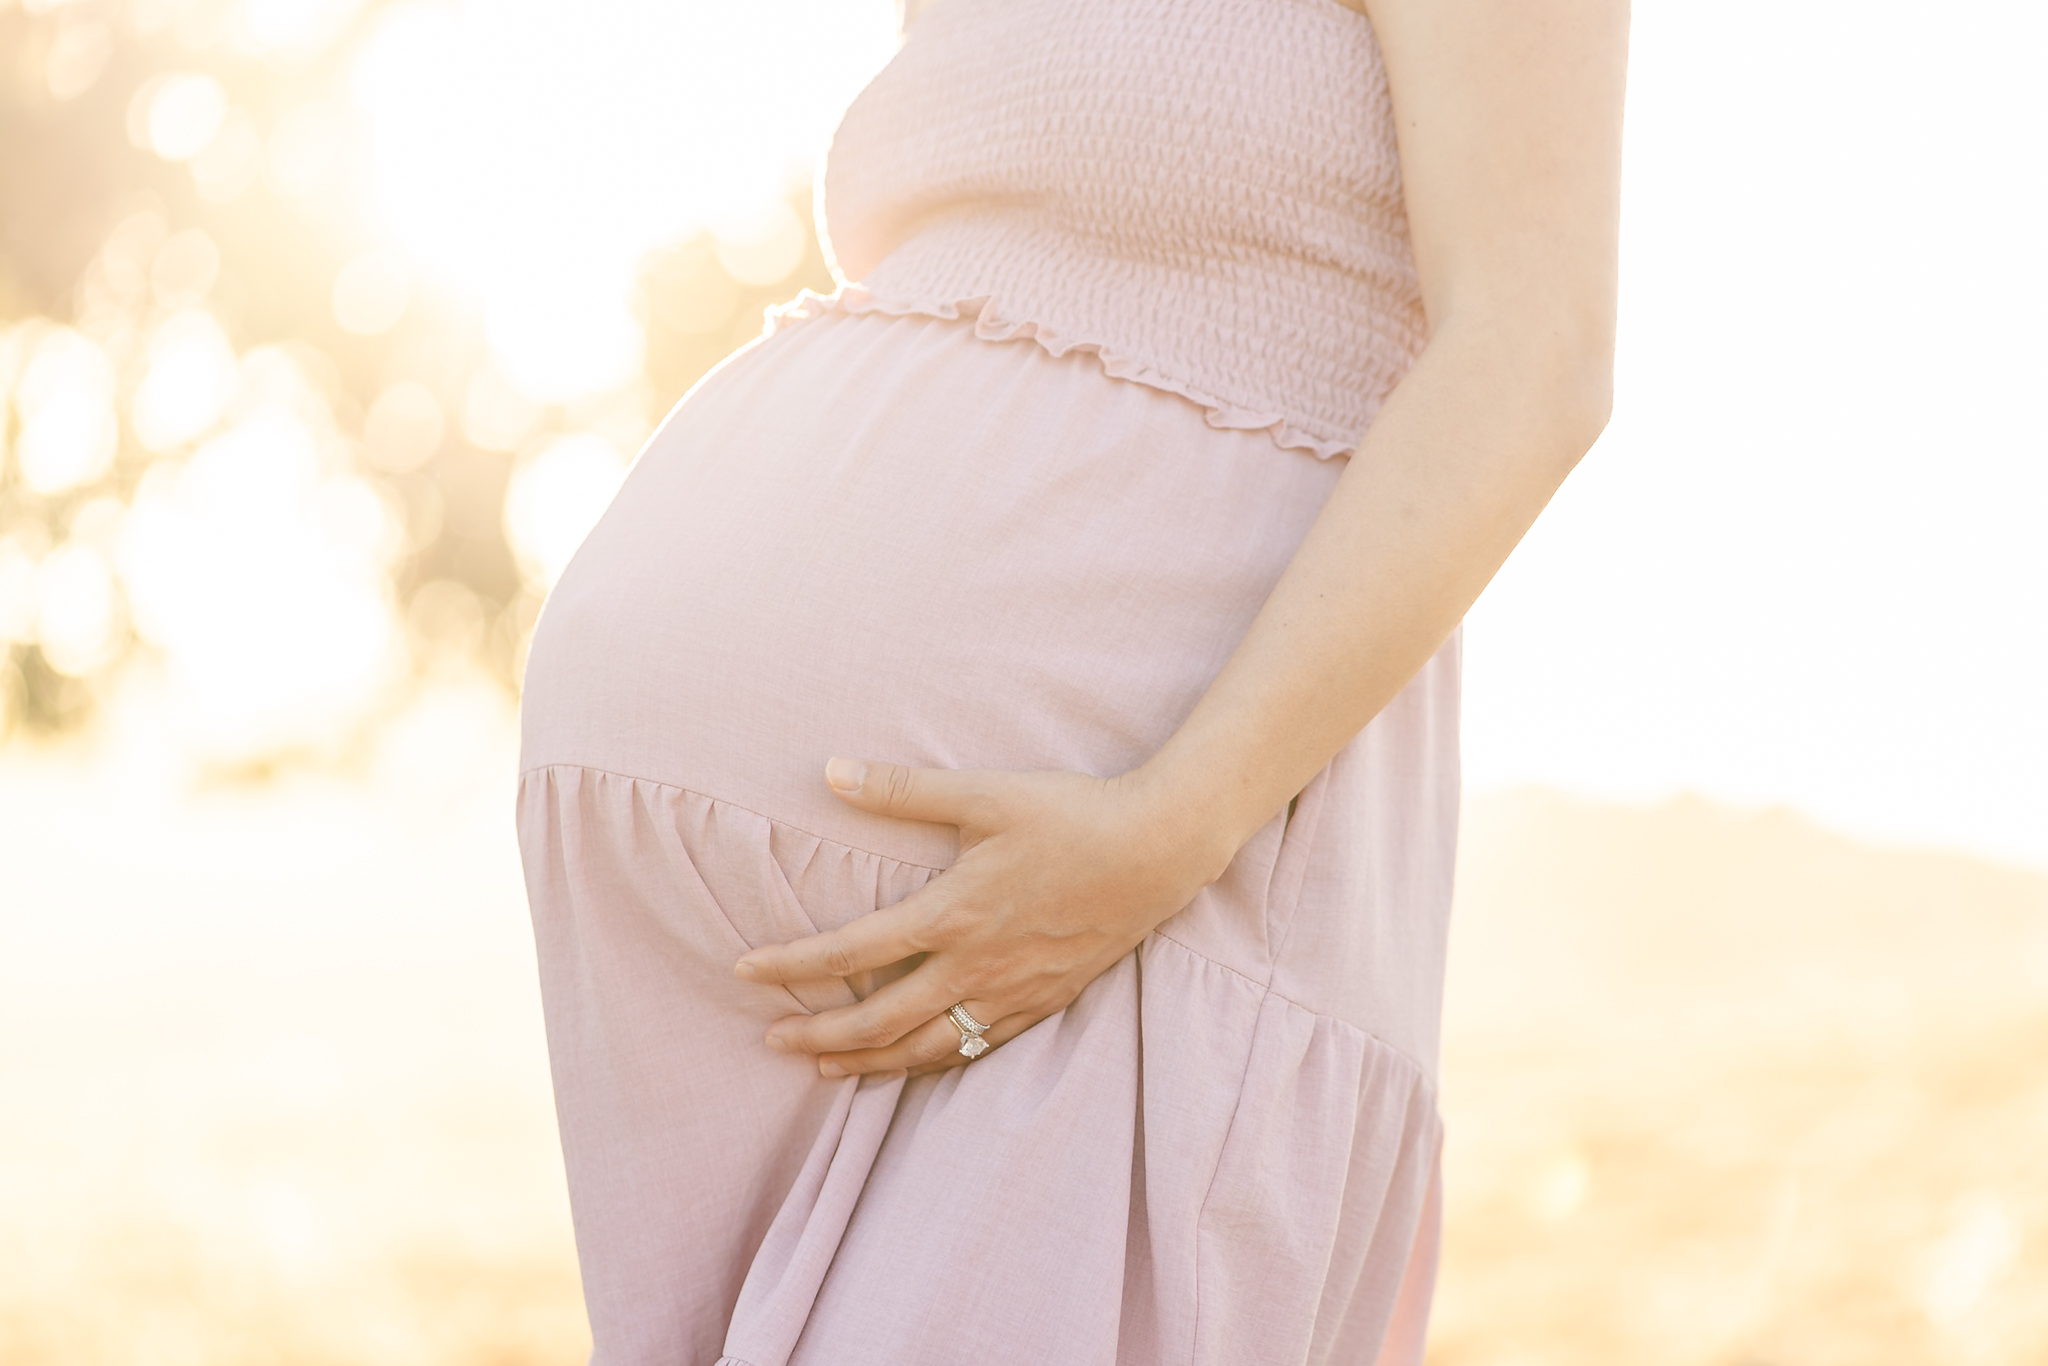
[[890, 538]]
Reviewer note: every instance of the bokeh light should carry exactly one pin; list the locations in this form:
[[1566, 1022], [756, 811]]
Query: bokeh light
[[259, 568], [77, 612], [495, 415], [180, 113], [557, 493], [403, 428], [293, 28], [306, 142], [190, 376], [64, 401], [471, 111], [352, 341], [184, 269]]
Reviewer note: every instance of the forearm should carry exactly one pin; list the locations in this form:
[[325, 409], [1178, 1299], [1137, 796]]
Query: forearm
[[1464, 455]]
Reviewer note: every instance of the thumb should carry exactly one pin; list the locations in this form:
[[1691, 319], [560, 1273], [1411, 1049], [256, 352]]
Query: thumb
[[917, 794]]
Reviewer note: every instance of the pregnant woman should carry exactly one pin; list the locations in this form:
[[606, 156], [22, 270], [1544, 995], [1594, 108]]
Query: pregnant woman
[[991, 778]]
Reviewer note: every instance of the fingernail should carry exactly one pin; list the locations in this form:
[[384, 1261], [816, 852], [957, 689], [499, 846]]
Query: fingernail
[[845, 775], [745, 970], [775, 1042], [828, 1068]]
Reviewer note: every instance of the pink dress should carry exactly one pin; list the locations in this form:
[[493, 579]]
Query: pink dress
[[1132, 275]]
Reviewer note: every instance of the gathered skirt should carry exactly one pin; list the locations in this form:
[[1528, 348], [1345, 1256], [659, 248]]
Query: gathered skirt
[[891, 538]]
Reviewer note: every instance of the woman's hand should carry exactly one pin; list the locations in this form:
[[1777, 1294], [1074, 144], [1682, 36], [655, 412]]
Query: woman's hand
[[1059, 875]]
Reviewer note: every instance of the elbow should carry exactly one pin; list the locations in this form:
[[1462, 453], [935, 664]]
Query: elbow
[[1588, 406], [1580, 364], [1574, 372], [1564, 395], [1547, 368]]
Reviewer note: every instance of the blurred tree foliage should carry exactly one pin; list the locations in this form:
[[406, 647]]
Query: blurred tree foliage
[[109, 223]]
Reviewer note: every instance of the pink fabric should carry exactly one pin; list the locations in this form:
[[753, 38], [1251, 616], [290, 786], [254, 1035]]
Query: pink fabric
[[926, 520], [1206, 193], [890, 536]]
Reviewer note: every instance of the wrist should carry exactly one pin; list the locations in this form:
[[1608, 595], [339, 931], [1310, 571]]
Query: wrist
[[1200, 809]]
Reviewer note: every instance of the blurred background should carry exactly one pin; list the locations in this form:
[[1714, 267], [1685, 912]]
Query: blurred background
[[327, 327]]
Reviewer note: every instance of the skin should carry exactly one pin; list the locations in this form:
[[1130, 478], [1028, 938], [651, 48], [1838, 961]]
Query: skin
[[1508, 117]]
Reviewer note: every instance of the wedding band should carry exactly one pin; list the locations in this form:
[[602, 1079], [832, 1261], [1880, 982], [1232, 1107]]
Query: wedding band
[[972, 1045]]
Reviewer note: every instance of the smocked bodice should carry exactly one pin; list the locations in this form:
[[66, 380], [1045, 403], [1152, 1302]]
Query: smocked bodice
[[1203, 192]]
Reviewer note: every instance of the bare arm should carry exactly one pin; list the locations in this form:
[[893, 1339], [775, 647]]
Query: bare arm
[[1509, 120]]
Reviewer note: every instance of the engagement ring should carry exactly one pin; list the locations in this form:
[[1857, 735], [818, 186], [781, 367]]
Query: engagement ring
[[972, 1045]]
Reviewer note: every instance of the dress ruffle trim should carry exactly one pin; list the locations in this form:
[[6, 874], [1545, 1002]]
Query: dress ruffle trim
[[986, 312]]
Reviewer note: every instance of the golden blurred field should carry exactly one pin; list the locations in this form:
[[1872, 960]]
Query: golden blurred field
[[1726, 1088], [1722, 1088]]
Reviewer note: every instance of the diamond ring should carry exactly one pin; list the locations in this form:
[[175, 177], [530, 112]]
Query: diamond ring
[[972, 1045]]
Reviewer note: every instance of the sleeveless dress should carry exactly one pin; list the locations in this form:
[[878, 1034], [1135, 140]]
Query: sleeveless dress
[[1122, 282]]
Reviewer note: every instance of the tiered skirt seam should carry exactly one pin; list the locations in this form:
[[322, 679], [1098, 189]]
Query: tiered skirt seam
[[726, 802], [1264, 988]]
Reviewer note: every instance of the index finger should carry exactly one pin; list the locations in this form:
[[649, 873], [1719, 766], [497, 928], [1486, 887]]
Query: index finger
[[874, 940]]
